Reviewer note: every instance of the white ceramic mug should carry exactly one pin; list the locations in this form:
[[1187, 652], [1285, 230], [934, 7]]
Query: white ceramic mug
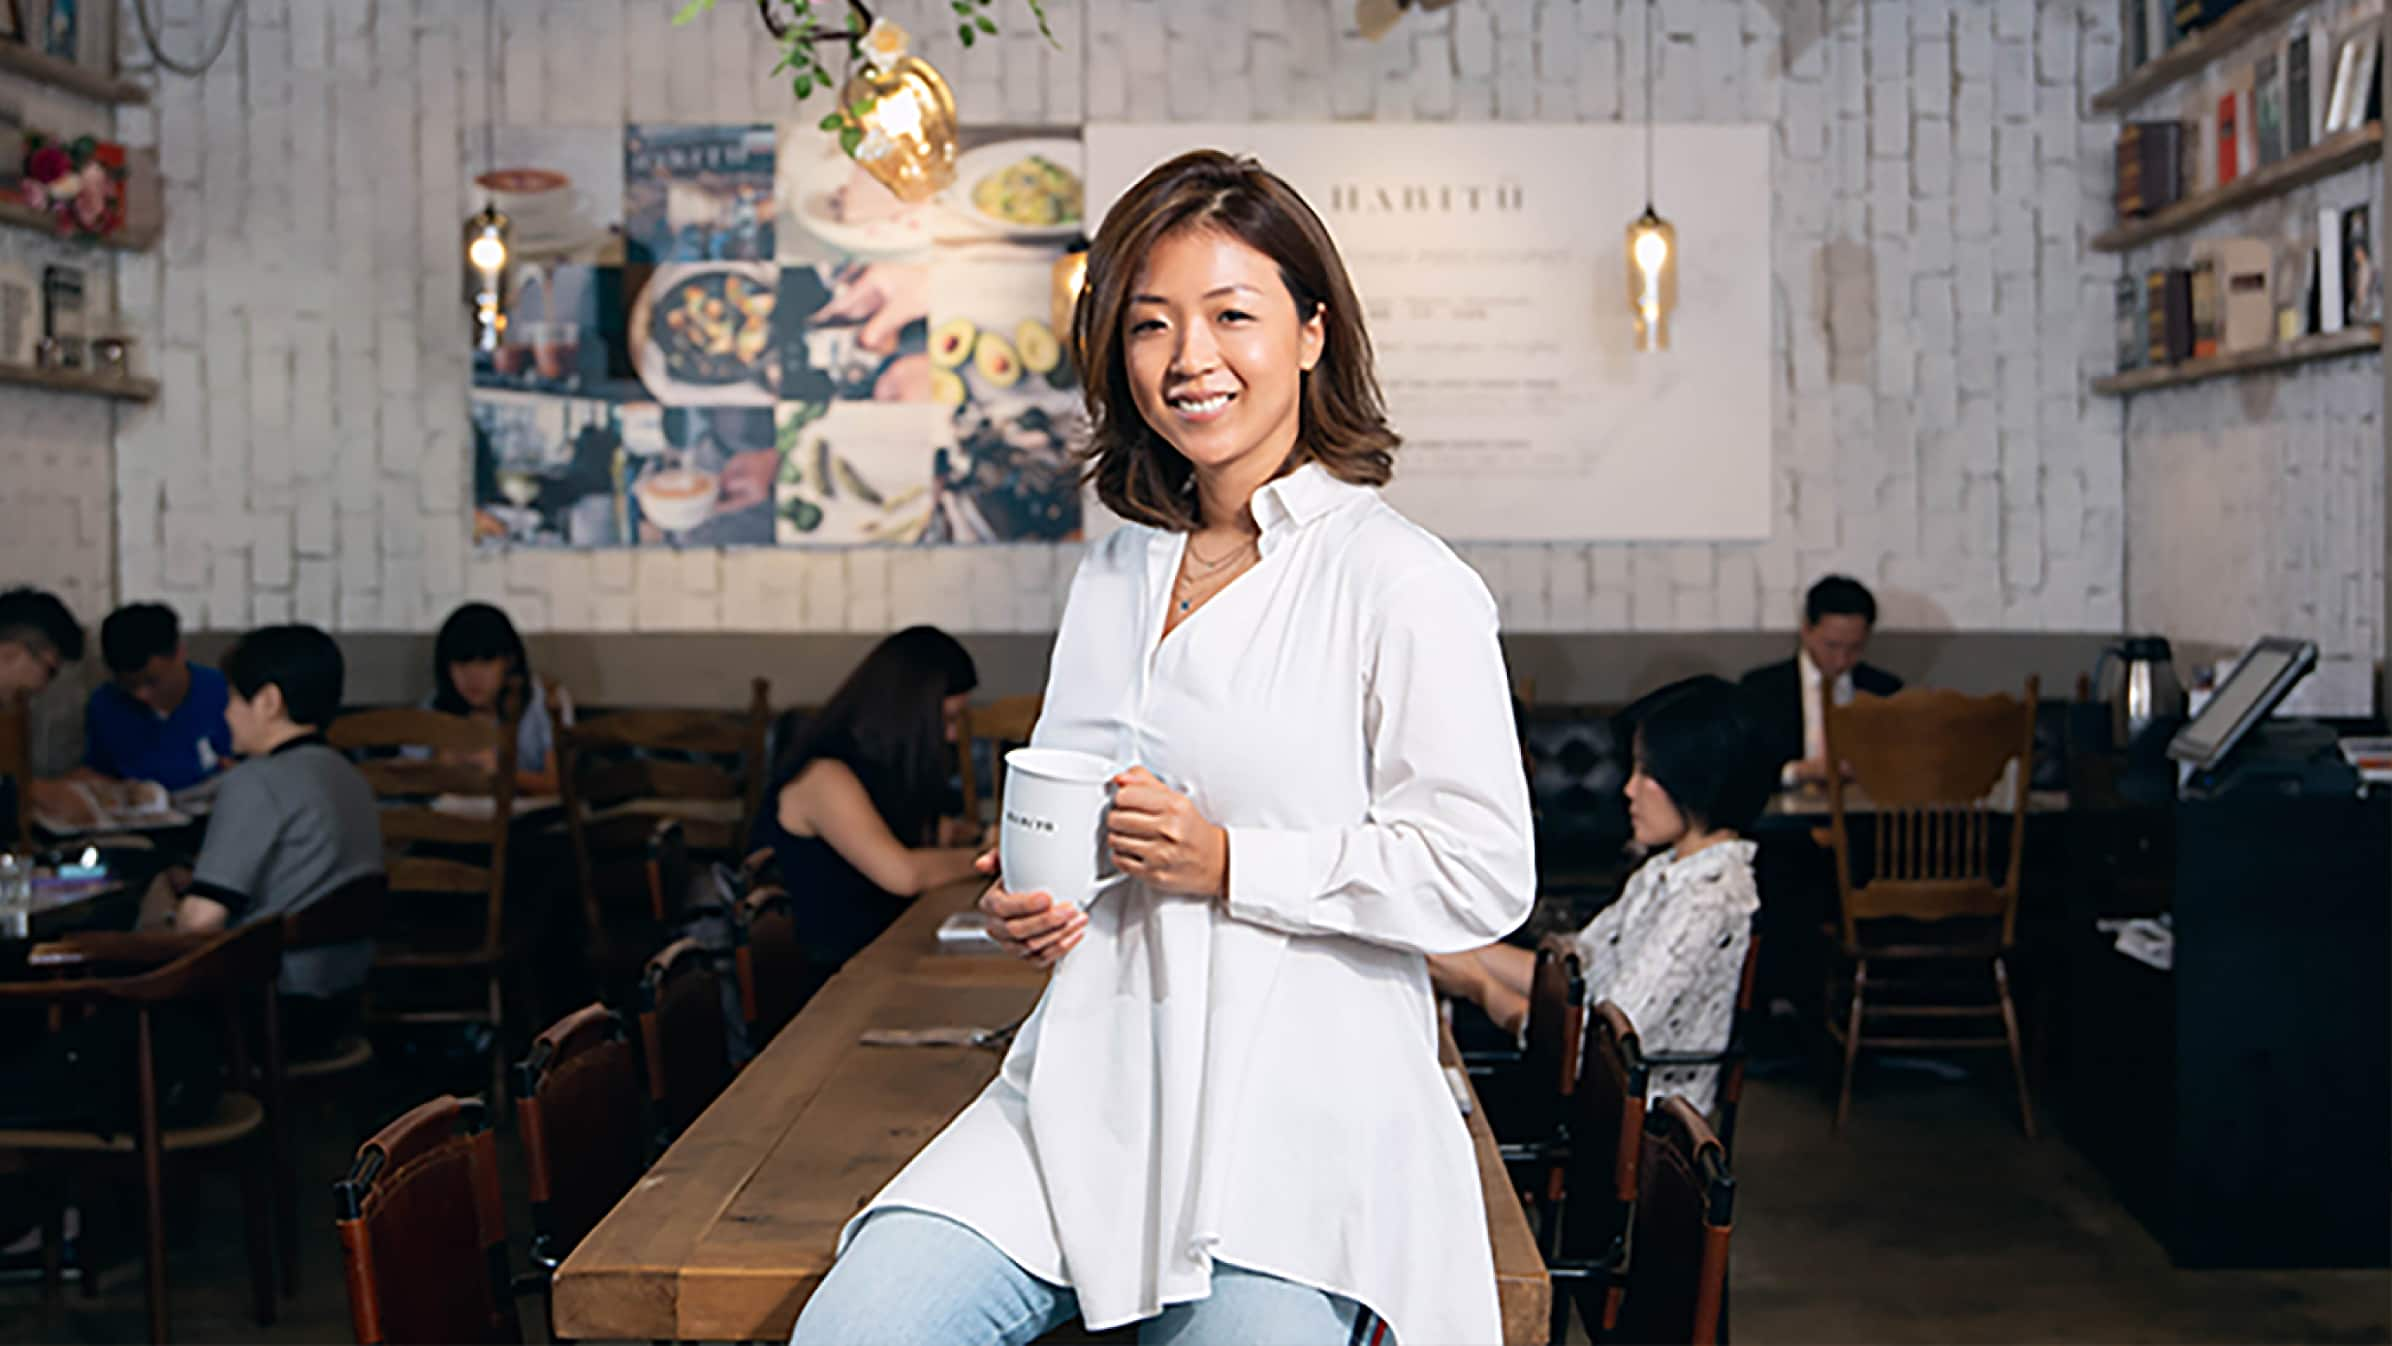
[[1052, 835]]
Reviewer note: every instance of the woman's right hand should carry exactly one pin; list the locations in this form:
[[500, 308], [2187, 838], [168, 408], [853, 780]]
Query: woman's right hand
[[1033, 926]]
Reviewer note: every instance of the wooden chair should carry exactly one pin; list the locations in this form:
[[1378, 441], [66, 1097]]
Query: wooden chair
[[1729, 1059], [776, 978], [583, 1118], [704, 767], [353, 911], [446, 932], [1930, 761], [1548, 1071], [219, 972], [634, 874], [1677, 1282], [1002, 723], [1586, 1233], [350, 912], [683, 1037], [424, 1232], [16, 763]]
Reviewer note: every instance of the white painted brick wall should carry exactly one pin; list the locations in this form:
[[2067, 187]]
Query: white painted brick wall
[[1935, 311]]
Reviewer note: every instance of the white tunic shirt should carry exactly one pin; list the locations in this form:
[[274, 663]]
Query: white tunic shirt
[[1256, 1081], [1670, 954]]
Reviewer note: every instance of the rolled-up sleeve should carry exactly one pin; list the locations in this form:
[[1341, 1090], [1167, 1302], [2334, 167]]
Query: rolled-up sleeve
[[1445, 859]]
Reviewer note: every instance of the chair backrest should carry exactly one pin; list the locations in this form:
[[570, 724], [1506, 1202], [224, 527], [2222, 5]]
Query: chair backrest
[[424, 1233], [468, 840], [1677, 1280], [1731, 1071], [16, 760], [583, 1117], [352, 911], [1000, 724], [712, 762], [1605, 1114], [1929, 762], [776, 978], [683, 1036], [1556, 1017]]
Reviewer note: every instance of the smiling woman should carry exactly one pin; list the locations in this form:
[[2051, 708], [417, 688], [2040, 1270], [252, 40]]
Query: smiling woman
[[1317, 785], [1256, 277]]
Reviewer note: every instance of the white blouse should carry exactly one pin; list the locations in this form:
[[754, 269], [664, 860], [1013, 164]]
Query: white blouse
[[1670, 953], [1256, 1081]]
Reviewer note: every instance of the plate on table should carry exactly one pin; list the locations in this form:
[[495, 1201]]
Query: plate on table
[[845, 207], [1021, 189]]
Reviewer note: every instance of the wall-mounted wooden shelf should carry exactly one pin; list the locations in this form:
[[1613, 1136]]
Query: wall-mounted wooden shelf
[[2188, 56], [122, 388], [18, 59], [15, 214], [2349, 341], [2317, 161]]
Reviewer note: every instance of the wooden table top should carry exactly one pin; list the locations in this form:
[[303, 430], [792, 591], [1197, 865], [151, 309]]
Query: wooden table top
[[733, 1227]]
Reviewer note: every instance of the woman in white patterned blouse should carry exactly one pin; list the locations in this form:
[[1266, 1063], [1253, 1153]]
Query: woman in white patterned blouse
[[1670, 950]]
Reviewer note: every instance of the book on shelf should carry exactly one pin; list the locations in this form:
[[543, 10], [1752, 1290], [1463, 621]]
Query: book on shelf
[[2204, 288], [2168, 291], [2295, 266], [2330, 310], [2300, 116], [2159, 26], [2357, 97], [2246, 318], [2362, 299], [2150, 167], [2228, 138], [2246, 123], [2267, 99], [2133, 335], [2134, 38]]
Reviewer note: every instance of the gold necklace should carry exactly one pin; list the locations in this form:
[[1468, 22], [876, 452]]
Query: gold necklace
[[1191, 586], [1206, 565]]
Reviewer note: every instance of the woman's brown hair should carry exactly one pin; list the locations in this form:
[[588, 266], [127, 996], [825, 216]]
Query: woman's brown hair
[[1343, 420]]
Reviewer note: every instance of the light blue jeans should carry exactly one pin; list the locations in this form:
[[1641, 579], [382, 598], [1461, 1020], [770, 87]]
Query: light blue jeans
[[910, 1277]]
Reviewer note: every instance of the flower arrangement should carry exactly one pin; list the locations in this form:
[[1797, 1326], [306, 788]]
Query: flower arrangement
[[79, 182]]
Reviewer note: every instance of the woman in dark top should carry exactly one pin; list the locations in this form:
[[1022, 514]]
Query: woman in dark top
[[855, 820]]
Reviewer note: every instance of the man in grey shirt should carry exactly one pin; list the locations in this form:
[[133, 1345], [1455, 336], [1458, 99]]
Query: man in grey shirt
[[293, 822]]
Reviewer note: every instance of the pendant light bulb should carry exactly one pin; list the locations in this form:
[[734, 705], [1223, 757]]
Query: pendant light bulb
[[486, 255], [1652, 278], [906, 114], [1070, 279]]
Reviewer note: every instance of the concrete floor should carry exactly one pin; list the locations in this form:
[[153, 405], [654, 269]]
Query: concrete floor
[[1930, 1220]]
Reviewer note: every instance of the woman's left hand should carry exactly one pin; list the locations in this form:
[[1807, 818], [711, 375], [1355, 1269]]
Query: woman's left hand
[[1155, 834]]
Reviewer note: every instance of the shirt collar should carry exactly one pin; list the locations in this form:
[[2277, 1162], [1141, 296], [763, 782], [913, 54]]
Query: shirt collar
[[1811, 676], [300, 742], [1300, 497]]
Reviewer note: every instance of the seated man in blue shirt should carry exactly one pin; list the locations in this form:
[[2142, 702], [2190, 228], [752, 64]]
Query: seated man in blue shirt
[[159, 717]]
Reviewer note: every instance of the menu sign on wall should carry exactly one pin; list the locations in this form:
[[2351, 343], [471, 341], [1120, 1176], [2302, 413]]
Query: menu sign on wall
[[1489, 260]]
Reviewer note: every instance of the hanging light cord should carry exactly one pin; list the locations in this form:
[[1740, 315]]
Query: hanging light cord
[[490, 94], [149, 38], [1648, 93]]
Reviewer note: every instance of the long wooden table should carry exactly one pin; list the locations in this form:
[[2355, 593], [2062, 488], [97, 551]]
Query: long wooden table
[[737, 1222]]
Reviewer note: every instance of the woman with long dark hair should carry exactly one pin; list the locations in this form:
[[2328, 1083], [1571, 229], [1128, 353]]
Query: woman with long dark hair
[[478, 661], [856, 819], [1225, 1120]]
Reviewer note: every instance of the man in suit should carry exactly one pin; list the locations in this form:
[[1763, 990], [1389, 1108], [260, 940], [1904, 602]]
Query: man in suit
[[1837, 617]]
